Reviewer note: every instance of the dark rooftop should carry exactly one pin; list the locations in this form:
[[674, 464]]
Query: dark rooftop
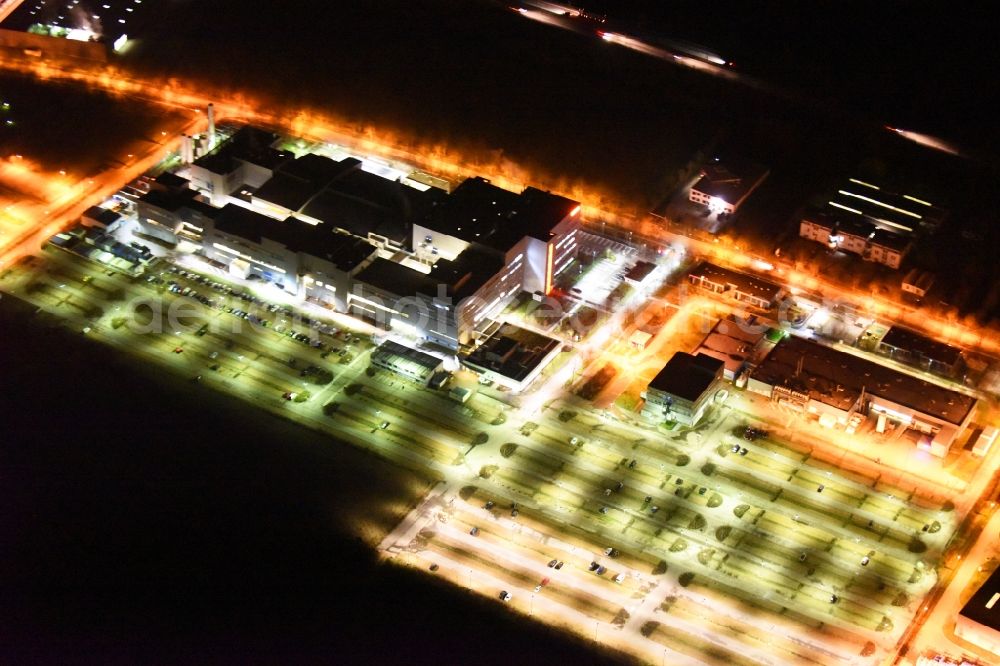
[[984, 606], [920, 345], [512, 351], [536, 212], [640, 271], [744, 282], [105, 216], [247, 144], [890, 240], [297, 181], [285, 191], [461, 277], [731, 341], [876, 207], [344, 251], [479, 212], [837, 378], [364, 203], [687, 376], [852, 224], [392, 348], [172, 181], [731, 180], [171, 200], [397, 279]]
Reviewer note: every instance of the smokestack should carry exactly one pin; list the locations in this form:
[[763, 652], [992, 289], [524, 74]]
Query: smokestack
[[187, 149], [211, 126]]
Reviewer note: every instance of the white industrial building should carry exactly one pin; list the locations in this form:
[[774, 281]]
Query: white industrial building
[[430, 264]]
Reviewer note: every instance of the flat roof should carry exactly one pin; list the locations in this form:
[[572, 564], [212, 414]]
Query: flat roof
[[172, 200], [730, 342], [836, 378], [390, 348], [856, 226], [285, 191], [479, 212], [640, 271], [512, 351], [346, 252], [537, 212], [397, 279], [984, 606], [460, 277], [730, 180], [890, 240], [686, 375], [297, 181], [103, 215], [750, 284], [364, 203], [247, 144], [917, 343], [172, 180]]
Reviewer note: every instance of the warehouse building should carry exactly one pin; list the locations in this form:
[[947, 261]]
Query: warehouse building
[[683, 389], [512, 356], [834, 385], [409, 363], [724, 186], [979, 620], [742, 287], [908, 346]]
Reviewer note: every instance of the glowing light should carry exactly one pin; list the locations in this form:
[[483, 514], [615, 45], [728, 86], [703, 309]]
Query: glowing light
[[717, 205], [879, 203], [853, 210], [861, 182], [548, 268], [919, 201]]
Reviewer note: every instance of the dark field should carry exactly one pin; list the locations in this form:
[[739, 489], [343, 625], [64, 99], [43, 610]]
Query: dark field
[[67, 127], [144, 520], [573, 110]]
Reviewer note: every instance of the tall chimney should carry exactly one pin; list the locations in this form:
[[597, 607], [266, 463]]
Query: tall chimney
[[211, 126], [187, 149]]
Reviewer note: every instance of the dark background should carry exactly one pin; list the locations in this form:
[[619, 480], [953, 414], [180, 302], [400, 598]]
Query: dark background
[[147, 520]]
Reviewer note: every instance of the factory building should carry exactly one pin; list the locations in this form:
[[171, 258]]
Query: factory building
[[835, 385], [512, 356], [724, 186], [311, 261], [874, 223], [979, 620], [427, 263], [741, 287], [406, 362], [683, 389], [908, 346]]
